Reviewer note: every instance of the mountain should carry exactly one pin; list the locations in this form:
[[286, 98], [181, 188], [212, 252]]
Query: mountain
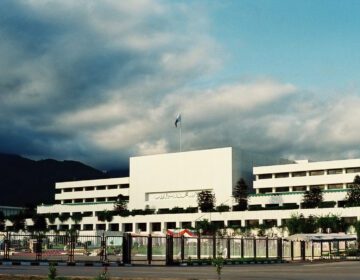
[[25, 182]]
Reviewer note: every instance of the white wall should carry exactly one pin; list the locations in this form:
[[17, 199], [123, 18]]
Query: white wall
[[172, 175]]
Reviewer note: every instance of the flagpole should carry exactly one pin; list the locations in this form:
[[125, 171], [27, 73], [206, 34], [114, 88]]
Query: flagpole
[[180, 136]]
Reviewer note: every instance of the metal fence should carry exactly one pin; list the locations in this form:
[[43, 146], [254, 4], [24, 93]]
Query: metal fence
[[151, 249]]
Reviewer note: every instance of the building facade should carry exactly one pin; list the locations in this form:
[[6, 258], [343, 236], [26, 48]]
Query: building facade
[[162, 182]]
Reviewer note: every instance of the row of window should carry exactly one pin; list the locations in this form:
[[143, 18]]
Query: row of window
[[311, 173], [98, 199], [303, 188], [97, 188]]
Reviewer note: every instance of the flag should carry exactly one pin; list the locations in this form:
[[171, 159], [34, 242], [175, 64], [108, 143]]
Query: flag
[[178, 120]]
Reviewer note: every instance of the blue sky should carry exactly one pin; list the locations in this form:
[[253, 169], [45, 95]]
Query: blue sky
[[102, 81]]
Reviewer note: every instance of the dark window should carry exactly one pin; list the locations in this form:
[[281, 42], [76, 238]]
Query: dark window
[[68, 190], [171, 225], [112, 198], [316, 172], [67, 201], [100, 199], [88, 227], [88, 214], [78, 200], [282, 189], [298, 174], [335, 186], [156, 227], [112, 187], [124, 186], [234, 223], [57, 190], [322, 187], [101, 226], [265, 176], [89, 200], [334, 171], [353, 170], [186, 225], [265, 190], [100, 188], [299, 188], [78, 189], [281, 175], [142, 226], [89, 188], [128, 227], [114, 227]]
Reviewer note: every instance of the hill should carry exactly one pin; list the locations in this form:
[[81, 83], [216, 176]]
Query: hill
[[25, 182]]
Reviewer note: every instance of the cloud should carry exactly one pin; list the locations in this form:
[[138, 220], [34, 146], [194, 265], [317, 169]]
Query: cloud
[[102, 81]]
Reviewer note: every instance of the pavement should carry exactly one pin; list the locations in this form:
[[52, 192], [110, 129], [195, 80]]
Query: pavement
[[289, 271]]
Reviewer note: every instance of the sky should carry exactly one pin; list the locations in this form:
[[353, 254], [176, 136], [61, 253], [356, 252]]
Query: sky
[[100, 81]]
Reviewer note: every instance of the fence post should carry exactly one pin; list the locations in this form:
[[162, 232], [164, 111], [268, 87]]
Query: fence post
[[242, 247], [38, 248], [182, 247], [292, 250], [280, 249], [126, 246], [228, 245], [7, 246], [169, 250], [198, 245], [254, 247], [267, 247], [103, 254], [71, 250], [149, 249], [214, 246], [302, 249]]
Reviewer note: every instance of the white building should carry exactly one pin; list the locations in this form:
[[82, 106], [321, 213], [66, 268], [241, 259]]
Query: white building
[[173, 180]]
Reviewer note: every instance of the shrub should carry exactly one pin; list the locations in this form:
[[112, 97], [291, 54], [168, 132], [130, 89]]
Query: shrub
[[222, 208]]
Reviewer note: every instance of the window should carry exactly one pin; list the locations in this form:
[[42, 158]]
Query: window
[[100, 199], [68, 190], [282, 189], [321, 187], [299, 189], [299, 174], [89, 200], [78, 189], [155, 226], [334, 171], [128, 227], [171, 225], [112, 187], [265, 176], [141, 226], [88, 227], [100, 188], [67, 201], [57, 190], [124, 186], [112, 198], [316, 172], [265, 190], [281, 175], [335, 186], [353, 170], [89, 188], [88, 214], [78, 200]]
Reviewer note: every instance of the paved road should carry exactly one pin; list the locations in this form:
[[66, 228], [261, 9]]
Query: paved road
[[299, 271]]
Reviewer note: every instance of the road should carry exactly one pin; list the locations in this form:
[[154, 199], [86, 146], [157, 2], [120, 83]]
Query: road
[[292, 271]]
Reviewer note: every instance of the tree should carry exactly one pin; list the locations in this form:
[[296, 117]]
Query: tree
[[64, 217], [240, 194], [206, 201], [331, 222], [353, 193], [298, 224], [2, 221], [52, 217], [40, 223], [76, 217], [313, 198], [18, 221], [120, 204], [105, 216]]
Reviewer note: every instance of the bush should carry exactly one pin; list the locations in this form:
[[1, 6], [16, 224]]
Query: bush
[[163, 211], [177, 210], [327, 204], [191, 210], [222, 208], [255, 207]]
